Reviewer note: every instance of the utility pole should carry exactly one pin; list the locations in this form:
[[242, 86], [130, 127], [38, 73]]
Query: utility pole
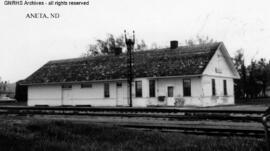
[[130, 45]]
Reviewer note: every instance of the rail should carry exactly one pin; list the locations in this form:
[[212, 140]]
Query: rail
[[177, 114]]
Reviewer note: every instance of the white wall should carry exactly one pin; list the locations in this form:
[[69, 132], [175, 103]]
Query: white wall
[[163, 84], [207, 86], [52, 95], [177, 83], [220, 98], [201, 93], [218, 62], [93, 96], [141, 101], [42, 95]]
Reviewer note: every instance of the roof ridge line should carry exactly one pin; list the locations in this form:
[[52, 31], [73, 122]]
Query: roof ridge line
[[137, 52]]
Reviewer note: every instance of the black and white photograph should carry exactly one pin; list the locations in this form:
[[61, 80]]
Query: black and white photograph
[[134, 75]]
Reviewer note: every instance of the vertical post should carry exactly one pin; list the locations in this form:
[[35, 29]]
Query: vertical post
[[130, 45], [266, 133]]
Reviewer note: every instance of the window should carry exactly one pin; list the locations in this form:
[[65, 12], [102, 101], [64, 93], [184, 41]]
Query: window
[[213, 87], [225, 87], [170, 91], [106, 90], [187, 87], [119, 84], [66, 86], [86, 85], [138, 87], [152, 88]]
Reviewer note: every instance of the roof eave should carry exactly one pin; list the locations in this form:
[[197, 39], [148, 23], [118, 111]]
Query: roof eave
[[225, 51], [112, 80]]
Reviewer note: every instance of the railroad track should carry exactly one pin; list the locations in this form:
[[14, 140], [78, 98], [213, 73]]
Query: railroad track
[[165, 114], [172, 114], [257, 133], [134, 109]]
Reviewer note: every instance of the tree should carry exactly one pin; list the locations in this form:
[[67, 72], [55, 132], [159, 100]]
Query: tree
[[263, 75], [154, 46], [110, 44], [240, 84], [243, 81], [140, 45], [92, 51], [239, 59], [253, 77], [3, 85], [199, 40], [253, 85], [258, 75]]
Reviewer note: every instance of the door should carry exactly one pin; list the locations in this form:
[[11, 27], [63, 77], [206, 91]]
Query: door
[[170, 95], [67, 95], [120, 101]]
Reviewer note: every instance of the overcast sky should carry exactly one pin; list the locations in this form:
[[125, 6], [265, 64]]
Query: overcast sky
[[27, 44]]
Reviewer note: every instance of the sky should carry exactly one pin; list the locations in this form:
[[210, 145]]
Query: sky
[[27, 44]]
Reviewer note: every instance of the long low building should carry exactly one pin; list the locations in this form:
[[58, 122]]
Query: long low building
[[200, 75]]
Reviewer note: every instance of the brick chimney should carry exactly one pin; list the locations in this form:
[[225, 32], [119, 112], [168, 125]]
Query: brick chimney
[[117, 51], [174, 44]]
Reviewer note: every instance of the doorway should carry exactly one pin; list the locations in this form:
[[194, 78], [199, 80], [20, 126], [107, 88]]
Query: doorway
[[170, 95], [67, 95], [120, 101]]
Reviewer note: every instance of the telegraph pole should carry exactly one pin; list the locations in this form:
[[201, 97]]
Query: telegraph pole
[[130, 45]]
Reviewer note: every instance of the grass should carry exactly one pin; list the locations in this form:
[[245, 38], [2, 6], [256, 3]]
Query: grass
[[12, 103], [257, 101], [32, 135]]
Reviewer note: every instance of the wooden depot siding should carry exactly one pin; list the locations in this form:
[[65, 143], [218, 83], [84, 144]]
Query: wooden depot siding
[[219, 98], [201, 94], [44, 95], [218, 66], [53, 95], [219, 70]]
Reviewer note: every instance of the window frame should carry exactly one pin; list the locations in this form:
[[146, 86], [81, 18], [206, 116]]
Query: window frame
[[186, 90], [225, 89], [152, 88], [66, 86], [86, 85], [214, 91], [106, 90], [168, 92], [119, 84], [138, 92]]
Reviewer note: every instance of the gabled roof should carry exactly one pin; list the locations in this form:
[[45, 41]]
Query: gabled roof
[[229, 60], [184, 60]]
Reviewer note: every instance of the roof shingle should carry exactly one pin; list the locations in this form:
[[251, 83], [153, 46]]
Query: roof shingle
[[183, 60]]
